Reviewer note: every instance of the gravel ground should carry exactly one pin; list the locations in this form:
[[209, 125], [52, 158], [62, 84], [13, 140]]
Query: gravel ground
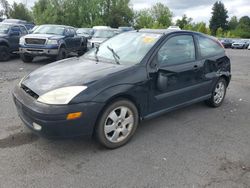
[[193, 147]]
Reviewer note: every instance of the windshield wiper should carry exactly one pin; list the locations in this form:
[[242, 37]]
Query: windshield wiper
[[96, 51], [115, 55]]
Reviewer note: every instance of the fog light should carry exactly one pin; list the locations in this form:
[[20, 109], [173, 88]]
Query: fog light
[[37, 127], [74, 115]]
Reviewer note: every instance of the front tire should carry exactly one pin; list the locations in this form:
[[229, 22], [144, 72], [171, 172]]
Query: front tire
[[62, 54], [117, 124], [26, 58], [4, 53], [218, 94]]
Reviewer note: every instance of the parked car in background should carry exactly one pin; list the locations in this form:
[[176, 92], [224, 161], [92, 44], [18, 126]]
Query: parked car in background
[[9, 39], [227, 43], [52, 41], [28, 25], [174, 27], [240, 44], [85, 32], [132, 77], [100, 36], [33, 29], [125, 29], [101, 27]]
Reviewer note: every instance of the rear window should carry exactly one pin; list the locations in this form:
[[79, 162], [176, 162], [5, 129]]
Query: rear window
[[209, 47]]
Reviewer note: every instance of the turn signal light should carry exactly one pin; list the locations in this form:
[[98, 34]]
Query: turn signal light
[[75, 115]]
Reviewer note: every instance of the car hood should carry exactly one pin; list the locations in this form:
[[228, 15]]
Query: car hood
[[98, 40], [69, 72], [47, 36]]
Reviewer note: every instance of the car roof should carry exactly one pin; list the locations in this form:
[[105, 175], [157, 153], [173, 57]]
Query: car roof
[[166, 31], [11, 24], [66, 26]]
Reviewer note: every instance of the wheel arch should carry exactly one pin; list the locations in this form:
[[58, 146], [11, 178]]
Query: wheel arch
[[227, 78], [4, 43], [120, 96]]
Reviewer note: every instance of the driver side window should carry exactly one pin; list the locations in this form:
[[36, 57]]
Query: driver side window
[[177, 50]]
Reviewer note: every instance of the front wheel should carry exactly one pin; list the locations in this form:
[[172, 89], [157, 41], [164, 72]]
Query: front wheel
[[218, 93], [4, 53], [117, 124], [26, 58], [62, 54]]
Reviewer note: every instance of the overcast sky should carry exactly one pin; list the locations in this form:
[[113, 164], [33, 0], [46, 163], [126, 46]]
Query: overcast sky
[[199, 10]]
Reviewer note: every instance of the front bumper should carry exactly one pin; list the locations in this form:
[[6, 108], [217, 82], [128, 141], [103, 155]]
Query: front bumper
[[52, 118], [39, 51], [238, 46]]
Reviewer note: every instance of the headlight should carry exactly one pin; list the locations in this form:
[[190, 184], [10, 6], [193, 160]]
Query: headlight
[[62, 95], [22, 41], [53, 42]]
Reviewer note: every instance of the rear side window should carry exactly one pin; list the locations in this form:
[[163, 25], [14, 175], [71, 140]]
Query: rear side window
[[16, 29], [209, 47], [177, 50]]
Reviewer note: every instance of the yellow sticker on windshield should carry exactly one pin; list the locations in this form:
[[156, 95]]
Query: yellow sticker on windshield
[[148, 39]]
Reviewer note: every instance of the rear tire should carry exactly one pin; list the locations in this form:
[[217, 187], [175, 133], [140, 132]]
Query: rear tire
[[4, 53], [26, 58], [117, 124], [62, 54], [82, 50], [218, 94]]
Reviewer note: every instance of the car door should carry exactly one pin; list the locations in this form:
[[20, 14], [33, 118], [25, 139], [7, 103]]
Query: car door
[[76, 40], [179, 76], [15, 34], [68, 39]]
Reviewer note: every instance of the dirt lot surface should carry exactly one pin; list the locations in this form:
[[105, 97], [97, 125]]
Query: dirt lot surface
[[193, 147]]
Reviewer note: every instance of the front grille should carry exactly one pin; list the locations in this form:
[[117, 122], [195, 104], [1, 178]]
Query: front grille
[[30, 92], [35, 41]]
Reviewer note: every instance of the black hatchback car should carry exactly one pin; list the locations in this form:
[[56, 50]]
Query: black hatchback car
[[131, 77]]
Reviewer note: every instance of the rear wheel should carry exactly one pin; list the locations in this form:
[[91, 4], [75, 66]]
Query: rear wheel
[[82, 50], [26, 58], [62, 54], [218, 94], [4, 53], [117, 124]]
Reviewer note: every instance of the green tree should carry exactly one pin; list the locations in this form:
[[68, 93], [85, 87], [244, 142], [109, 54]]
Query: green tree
[[202, 28], [243, 28], [219, 17], [144, 19], [162, 14], [159, 16], [183, 21], [117, 13], [219, 32], [20, 11], [5, 8], [233, 23]]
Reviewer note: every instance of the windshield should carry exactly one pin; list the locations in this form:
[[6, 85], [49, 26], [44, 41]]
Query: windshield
[[103, 33], [49, 29], [128, 48], [4, 29]]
